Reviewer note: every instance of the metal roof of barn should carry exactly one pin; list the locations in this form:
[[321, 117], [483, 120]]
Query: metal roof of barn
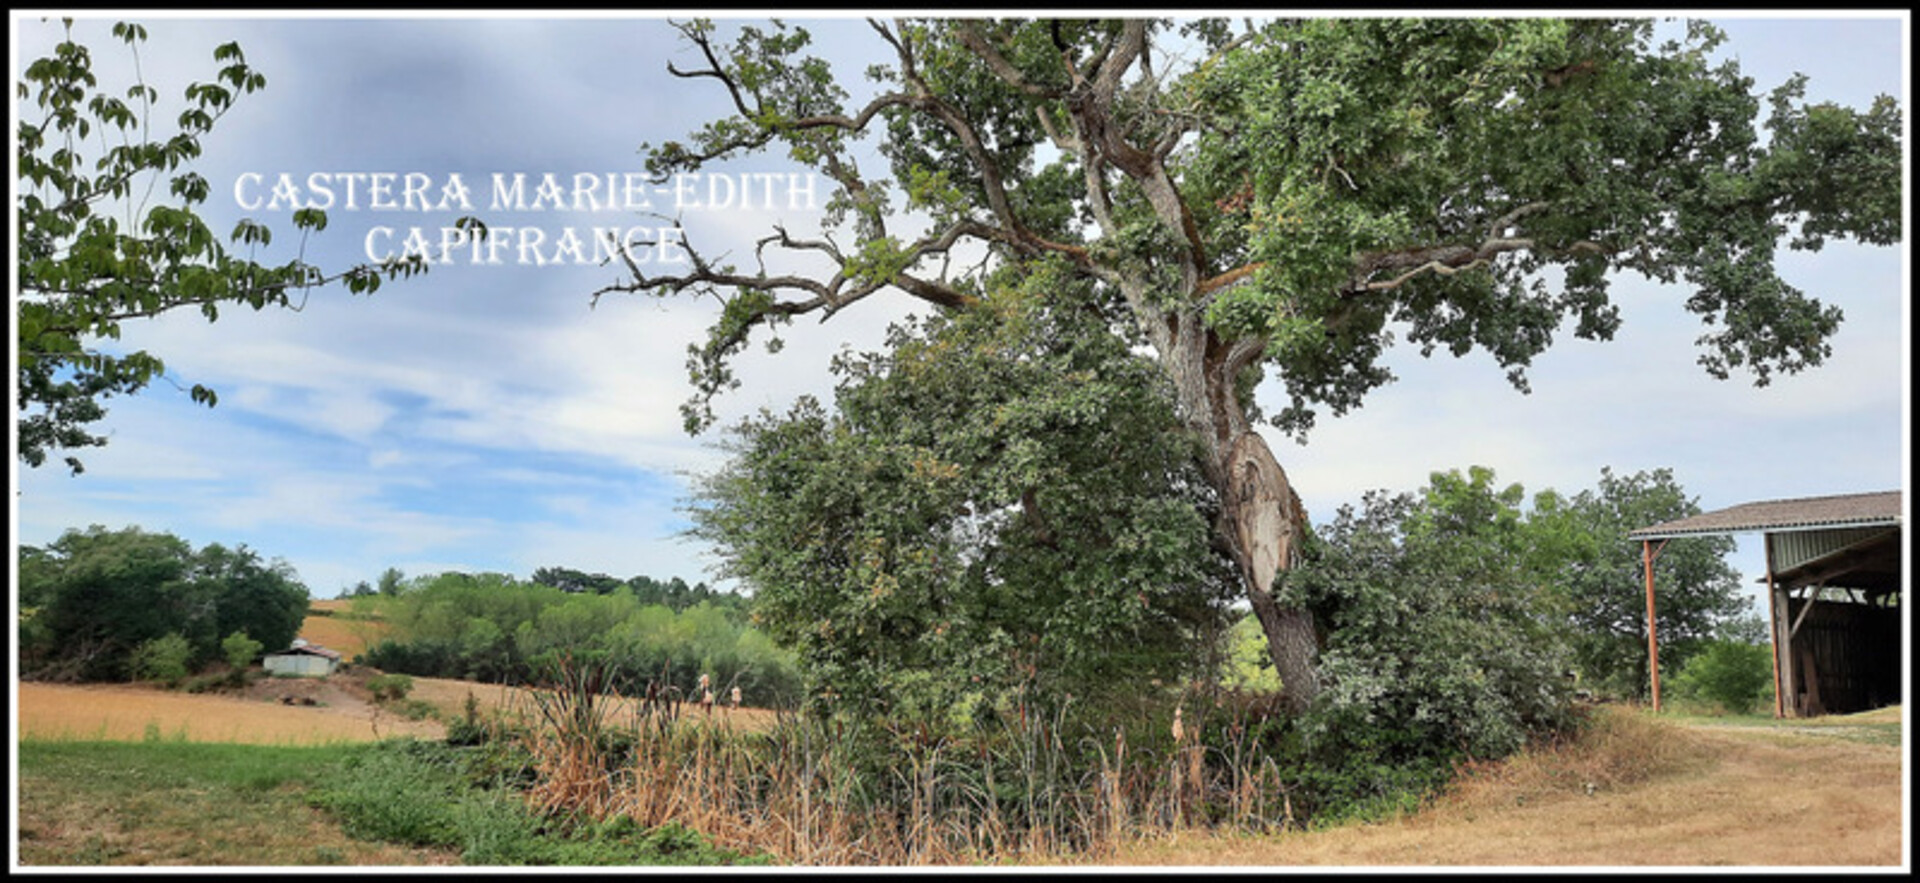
[[1878, 509], [309, 650]]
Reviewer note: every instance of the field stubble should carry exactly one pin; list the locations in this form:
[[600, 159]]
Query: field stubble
[[1828, 792]]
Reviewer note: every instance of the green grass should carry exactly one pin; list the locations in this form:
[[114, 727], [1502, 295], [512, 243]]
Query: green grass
[[1847, 727], [172, 802]]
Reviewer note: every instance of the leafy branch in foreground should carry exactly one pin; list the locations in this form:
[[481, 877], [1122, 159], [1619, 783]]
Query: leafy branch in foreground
[[98, 245]]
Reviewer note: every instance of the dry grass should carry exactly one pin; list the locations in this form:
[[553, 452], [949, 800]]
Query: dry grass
[[518, 703], [124, 712], [333, 625], [1664, 795]]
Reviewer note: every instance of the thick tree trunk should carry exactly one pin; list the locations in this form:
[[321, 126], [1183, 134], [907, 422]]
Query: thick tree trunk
[[1261, 519]]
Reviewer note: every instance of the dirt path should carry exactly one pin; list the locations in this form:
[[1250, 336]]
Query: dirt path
[[1757, 798]]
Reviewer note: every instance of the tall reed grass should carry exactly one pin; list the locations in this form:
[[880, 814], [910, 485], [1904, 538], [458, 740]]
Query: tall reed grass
[[1043, 784]]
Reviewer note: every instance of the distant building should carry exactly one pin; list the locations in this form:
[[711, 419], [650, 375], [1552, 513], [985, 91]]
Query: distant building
[[303, 660]]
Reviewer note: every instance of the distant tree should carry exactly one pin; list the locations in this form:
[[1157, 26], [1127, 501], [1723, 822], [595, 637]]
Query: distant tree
[[1601, 578], [567, 579], [263, 599], [102, 242], [108, 592], [392, 581]]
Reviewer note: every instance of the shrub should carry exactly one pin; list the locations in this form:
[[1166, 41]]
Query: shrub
[[390, 687], [1730, 673], [161, 659], [240, 650], [1439, 647]]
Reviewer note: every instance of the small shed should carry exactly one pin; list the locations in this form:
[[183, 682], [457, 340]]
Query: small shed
[[303, 660], [1835, 572]]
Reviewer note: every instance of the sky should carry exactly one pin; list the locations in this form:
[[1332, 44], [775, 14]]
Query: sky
[[494, 417]]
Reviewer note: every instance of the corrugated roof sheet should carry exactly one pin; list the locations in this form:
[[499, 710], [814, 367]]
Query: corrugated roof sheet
[[1805, 513], [309, 650]]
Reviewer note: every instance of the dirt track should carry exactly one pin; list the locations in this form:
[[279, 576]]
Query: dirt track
[[1758, 797]]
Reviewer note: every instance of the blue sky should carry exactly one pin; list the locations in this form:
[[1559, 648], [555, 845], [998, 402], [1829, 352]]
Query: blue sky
[[491, 418]]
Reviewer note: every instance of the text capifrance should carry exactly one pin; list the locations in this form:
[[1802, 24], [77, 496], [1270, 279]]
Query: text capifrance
[[499, 193]]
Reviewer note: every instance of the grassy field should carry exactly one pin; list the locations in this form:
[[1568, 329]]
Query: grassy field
[[169, 787], [169, 802]]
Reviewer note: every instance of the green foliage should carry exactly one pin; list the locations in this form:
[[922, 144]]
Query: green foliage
[[1440, 640], [1732, 674], [673, 593], [1002, 502], [1600, 576], [390, 687], [491, 627], [429, 794], [100, 242], [240, 651], [1288, 204], [106, 592], [1479, 180], [1249, 667], [161, 659], [1579, 142]]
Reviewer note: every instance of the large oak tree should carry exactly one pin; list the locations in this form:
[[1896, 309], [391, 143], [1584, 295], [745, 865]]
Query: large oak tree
[[1271, 200]]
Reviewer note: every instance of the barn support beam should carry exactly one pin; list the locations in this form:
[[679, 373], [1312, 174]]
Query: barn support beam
[[1648, 552], [1774, 603]]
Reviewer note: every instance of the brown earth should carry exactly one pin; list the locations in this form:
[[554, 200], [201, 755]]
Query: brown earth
[[335, 625], [1755, 796]]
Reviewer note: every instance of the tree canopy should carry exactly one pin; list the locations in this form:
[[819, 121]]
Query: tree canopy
[[1600, 573], [92, 597], [1001, 505], [1286, 198]]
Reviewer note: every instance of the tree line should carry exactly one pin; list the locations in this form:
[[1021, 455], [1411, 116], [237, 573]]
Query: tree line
[[495, 628], [96, 604]]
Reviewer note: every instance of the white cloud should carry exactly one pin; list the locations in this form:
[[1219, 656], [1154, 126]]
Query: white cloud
[[484, 418]]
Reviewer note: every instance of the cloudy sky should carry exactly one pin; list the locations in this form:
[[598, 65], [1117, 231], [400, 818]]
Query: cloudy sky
[[490, 417]]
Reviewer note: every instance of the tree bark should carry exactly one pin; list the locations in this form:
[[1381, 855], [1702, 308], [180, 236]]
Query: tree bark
[[1261, 518]]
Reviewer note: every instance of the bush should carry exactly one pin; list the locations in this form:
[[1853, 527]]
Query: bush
[[161, 659], [429, 794], [240, 650], [1730, 673], [1439, 647], [390, 687]]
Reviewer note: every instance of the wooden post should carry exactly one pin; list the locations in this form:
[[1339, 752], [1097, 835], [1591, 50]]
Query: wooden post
[[1773, 629], [1653, 642]]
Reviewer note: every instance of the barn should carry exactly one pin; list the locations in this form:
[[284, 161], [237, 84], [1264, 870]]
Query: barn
[[303, 660], [1835, 573]]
